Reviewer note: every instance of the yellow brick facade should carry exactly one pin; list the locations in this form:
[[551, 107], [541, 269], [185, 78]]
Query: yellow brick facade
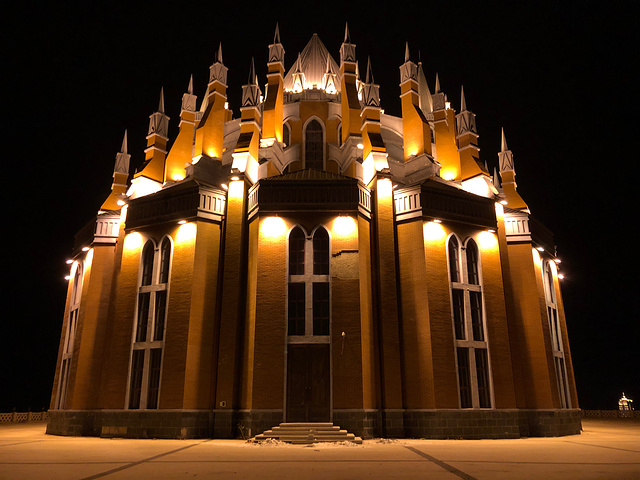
[[374, 295]]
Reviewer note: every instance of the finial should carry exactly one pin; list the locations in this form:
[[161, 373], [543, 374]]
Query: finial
[[406, 52], [276, 36], [190, 87], [253, 79], [503, 145], [219, 54], [161, 104], [463, 103], [437, 87], [369, 77], [124, 147], [347, 37]]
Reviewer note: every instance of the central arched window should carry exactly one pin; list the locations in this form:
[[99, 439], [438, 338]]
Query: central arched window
[[148, 335], [314, 145], [308, 286], [556, 334], [469, 325]]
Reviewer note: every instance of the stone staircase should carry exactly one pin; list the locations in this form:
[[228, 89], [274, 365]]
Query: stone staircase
[[306, 433]]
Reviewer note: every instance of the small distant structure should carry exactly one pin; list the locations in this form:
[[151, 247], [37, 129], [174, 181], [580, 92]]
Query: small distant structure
[[625, 406]]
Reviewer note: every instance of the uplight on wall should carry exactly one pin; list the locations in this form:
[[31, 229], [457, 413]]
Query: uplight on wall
[[186, 233], [133, 241], [433, 231], [487, 240], [273, 227], [344, 225]]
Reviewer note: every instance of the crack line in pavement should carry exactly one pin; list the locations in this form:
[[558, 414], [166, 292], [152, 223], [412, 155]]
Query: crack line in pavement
[[133, 464], [602, 446], [441, 464], [20, 443]]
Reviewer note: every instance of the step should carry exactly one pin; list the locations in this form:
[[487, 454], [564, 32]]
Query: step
[[307, 433]]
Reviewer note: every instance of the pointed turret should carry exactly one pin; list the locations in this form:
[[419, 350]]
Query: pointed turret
[[374, 152], [120, 177], [444, 124], [156, 151], [351, 122], [210, 128], [508, 176], [330, 79], [415, 126], [273, 107], [181, 152], [245, 154], [467, 137], [298, 76]]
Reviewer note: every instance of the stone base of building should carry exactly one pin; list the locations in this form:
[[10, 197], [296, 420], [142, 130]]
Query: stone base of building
[[432, 424]]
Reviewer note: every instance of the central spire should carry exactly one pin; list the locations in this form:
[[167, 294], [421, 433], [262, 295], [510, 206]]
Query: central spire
[[312, 63]]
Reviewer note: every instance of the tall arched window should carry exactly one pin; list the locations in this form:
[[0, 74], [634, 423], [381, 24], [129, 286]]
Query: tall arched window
[[70, 335], [314, 145], [308, 285], [148, 336], [556, 335], [469, 325]]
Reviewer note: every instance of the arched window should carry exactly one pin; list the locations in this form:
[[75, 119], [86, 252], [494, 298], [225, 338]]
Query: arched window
[[556, 335], [467, 312], [286, 134], [308, 284], [314, 146], [296, 252], [148, 336], [70, 334], [321, 252], [472, 262]]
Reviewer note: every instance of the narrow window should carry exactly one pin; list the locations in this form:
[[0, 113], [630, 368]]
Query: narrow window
[[286, 134], [321, 252], [314, 146], [150, 325], [296, 252], [308, 291], [472, 263], [467, 311], [454, 260]]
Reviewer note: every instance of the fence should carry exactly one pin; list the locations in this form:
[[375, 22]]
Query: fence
[[609, 414], [23, 417]]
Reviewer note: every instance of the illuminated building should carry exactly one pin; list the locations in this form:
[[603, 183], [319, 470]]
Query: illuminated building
[[314, 260]]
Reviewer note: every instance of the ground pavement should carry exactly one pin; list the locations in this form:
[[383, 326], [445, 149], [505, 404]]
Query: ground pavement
[[605, 449]]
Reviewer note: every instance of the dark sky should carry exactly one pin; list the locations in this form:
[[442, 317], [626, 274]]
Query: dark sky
[[557, 76]]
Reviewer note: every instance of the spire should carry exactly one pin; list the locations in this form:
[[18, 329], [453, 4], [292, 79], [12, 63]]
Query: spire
[[503, 143], [158, 121], [408, 70], [276, 35], [505, 157], [124, 148], [329, 82], [463, 103], [347, 49], [496, 178], [439, 99], [161, 103], [276, 51], [189, 99], [190, 87], [437, 87], [426, 102], [251, 91], [298, 76], [466, 120], [370, 91], [217, 71]]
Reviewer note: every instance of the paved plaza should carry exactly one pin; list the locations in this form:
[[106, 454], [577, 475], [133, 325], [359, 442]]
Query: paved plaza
[[605, 449]]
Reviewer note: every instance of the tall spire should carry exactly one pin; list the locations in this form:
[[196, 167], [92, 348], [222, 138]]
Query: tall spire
[[407, 57], [347, 49], [190, 87], [161, 103], [508, 176], [349, 101], [251, 91], [439, 98], [370, 91], [466, 119], [120, 177], [276, 50], [426, 102], [463, 103]]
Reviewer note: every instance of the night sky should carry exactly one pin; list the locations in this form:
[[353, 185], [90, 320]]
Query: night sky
[[557, 76]]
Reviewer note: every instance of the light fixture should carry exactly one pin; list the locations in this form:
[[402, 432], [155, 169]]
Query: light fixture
[[69, 261], [557, 260], [85, 249], [67, 277], [503, 202], [560, 276], [182, 222], [436, 220], [233, 179], [540, 249], [360, 146], [225, 186], [491, 230]]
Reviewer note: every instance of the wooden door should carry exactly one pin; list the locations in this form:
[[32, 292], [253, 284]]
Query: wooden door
[[308, 383]]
